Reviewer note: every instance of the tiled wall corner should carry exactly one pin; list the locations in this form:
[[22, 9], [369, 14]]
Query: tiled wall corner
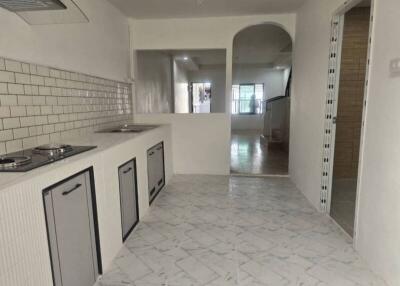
[[41, 104]]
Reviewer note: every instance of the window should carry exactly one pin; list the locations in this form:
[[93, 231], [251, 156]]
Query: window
[[247, 98]]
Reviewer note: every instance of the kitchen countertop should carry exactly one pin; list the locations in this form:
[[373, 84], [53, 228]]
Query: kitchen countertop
[[103, 141]]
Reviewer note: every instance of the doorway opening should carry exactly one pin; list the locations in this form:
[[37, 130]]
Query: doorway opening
[[347, 112], [200, 97], [260, 113]]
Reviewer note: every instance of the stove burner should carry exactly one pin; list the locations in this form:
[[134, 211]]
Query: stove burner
[[13, 162], [52, 149]]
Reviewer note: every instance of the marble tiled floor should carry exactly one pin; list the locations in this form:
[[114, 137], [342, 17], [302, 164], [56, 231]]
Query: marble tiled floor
[[343, 204], [250, 156], [221, 231]]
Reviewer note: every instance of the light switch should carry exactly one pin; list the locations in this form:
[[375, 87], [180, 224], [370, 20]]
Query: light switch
[[395, 67]]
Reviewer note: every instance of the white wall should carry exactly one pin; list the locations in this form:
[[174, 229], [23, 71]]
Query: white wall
[[217, 77], [378, 228], [153, 82], [309, 86], [181, 91], [100, 47], [272, 79], [379, 213], [202, 33], [200, 142], [246, 122]]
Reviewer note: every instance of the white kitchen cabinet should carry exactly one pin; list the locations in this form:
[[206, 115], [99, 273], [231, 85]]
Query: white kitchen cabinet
[[70, 210], [128, 197]]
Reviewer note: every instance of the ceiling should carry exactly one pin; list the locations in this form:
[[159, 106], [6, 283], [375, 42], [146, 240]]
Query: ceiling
[[159, 9], [200, 57], [267, 45]]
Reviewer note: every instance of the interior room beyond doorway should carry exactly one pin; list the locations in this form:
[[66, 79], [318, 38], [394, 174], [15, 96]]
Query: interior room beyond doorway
[[261, 77]]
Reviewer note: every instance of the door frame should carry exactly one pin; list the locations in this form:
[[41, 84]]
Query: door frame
[[332, 95]]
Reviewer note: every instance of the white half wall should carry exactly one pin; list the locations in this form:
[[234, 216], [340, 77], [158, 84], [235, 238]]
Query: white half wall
[[244, 122], [99, 48], [200, 142]]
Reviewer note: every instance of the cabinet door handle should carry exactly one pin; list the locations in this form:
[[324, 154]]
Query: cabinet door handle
[[127, 170], [152, 191], [73, 189], [151, 153], [160, 182], [159, 148]]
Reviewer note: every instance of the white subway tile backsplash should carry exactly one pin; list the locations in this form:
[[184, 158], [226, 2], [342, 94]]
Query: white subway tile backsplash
[[43, 71], [9, 123], [35, 90], [18, 111], [48, 81], [5, 111], [39, 104], [40, 120], [6, 76], [29, 142], [51, 100], [37, 80], [32, 69], [44, 90], [2, 64], [6, 135], [8, 99], [55, 137], [53, 119], [14, 145], [46, 109], [16, 88], [13, 66], [48, 128], [25, 68], [27, 121], [39, 100], [3, 148], [22, 78], [3, 88], [25, 100], [20, 133], [33, 110], [28, 89], [43, 139]]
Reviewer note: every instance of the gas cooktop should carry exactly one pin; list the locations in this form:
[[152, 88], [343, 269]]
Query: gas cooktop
[[29, 159]]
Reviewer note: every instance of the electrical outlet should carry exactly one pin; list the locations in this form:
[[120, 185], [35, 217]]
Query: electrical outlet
[[395, 67]]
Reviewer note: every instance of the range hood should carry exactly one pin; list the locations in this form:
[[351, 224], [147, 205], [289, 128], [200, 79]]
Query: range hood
[[45, 12], [31, 5]]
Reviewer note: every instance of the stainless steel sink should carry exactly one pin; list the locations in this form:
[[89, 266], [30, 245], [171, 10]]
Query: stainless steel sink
[[133, 128]]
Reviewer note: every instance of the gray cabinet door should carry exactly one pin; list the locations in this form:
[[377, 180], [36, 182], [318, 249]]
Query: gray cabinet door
[[71, 232], [128, 196], [159, 158], [152, 172]]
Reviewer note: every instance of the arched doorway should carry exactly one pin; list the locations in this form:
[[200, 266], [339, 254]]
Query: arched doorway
[[260, 112]]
